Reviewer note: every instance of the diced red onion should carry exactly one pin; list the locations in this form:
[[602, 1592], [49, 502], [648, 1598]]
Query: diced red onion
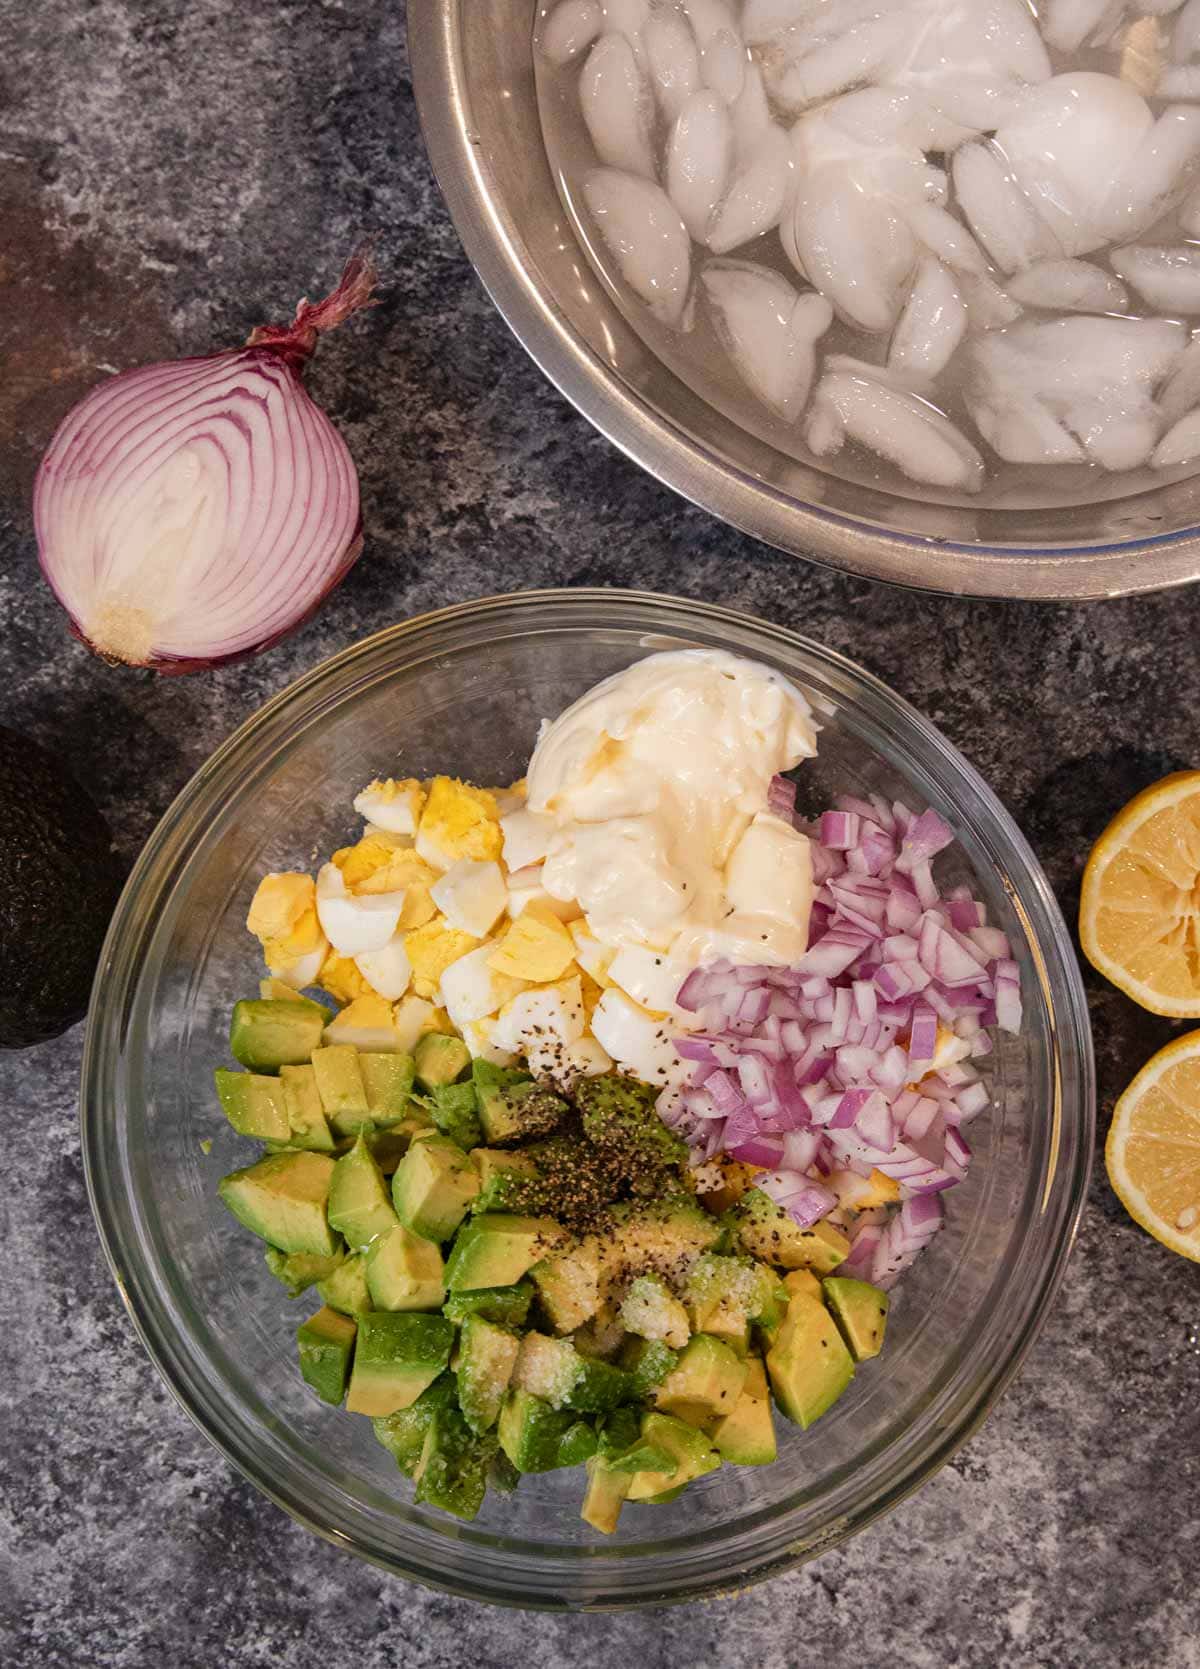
[[805, 1201], [839, 830], [193, 513], [781, 798], [760, 1151], [860, 1264]]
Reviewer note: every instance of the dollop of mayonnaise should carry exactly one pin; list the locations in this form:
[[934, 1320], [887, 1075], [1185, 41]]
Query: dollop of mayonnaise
[[656, 781]]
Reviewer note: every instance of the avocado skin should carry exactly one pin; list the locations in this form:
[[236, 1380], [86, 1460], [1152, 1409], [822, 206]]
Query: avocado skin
[[59, 881]]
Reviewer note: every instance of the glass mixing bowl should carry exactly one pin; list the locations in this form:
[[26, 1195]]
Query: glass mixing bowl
[[463, 691]]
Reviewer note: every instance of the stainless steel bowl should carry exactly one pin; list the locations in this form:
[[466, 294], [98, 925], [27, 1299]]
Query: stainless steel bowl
[[473, 74]]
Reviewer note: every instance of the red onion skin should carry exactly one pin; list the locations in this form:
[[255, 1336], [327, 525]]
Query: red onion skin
[[292, 345]]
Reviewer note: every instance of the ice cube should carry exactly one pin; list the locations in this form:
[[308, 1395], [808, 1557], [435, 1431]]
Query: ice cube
[[1168, 278], [997, 211], [642, 227], [1181, 391], [723, 65], [672, 60], [769, 330], [1069, 287], [699, 159], [933, 323], [757, 197], [616, 106], [895, 424], [570, 29], [1180, 444]]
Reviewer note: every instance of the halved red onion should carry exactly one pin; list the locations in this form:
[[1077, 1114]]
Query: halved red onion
[[196, 512]]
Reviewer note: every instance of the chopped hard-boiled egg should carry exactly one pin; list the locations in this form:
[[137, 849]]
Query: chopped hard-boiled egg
[[949, 1049], [342, 978], [431, 950], [414, 1016], [367, 1023], [472, 990], [863, 1193], [585, 1055], [458, 822], [593, 957], [649, 977], [387, 971], [354, 923], [405, 873], [527, 886], [472, 896], [479, 1037], [526, 837], [509, 799], [364, 865], [394, 806], [636, 1039], [542, 1024], [279, 903], [536, 947]]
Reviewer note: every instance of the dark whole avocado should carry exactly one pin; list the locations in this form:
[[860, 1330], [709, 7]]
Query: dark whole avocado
[[59, 880]]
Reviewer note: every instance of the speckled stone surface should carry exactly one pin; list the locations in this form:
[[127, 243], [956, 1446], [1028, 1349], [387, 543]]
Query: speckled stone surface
[[171, 173]]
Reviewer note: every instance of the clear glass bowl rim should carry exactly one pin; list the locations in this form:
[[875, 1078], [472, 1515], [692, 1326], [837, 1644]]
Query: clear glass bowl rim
[[246, 752]]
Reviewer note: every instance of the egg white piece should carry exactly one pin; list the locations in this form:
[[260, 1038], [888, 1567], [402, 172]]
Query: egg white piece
[[526, 838], [472, 896], [638, 1041], [470, 990], [355, 924], [387, 971]]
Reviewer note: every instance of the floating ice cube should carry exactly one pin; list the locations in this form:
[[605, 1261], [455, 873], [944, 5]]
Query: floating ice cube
[[699, 160], [628, 18], [769, 329], [751, 114], [1033, 386], [998, 212], [805, 68], [853, 400], [757, 197], [1181, 391], [616, 106], [1180, 444], [1169, 279], [673, 61], [1069, 287], [933, 323], [642, 227], [570, 29], [723, 65], [710, 18]]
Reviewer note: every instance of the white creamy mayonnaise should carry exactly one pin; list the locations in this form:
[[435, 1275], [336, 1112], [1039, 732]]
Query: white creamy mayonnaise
[[654, 785]]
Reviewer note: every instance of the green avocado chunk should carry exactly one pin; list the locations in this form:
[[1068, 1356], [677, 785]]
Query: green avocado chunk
[[504, 1179], [345, 1288], [267, 1034], [647, 1362], [569, 1285], [555, 1371], [765, 1230], [691, 1452], [496, 1249], [254, 1104], [520, 1112], [396, 1357], [283, 1199], [454, 1112], [506, 1306], [359, 1204], [605, 1496], [341, 1088], [861, 1312], [326, 1344], [704, 1384], [300, 1270], [452, 1470], [439, 1059], [619, 1112], [307, 1124], [404, 1271], [388, 1081], [487, 1355], [531, 1432], [808, 1363], [403, 1433], [746, 1435], [433, 1187]]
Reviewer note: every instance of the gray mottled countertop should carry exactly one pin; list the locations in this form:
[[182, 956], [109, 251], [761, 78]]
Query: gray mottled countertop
[[171, 173]]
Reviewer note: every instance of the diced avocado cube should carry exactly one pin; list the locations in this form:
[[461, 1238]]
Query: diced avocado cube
[[403, 1433], [253, 1104], [345, 1288], [503, 1179], [396, 1357], [439, 1059], [454, 1112], [647, 1362], [267, 1035], [651, 1310], [300, 1270], [359, 1205], [620, 1112], [388, 1081], [341, 1088], [520, 1112], [598, 1387], [307, 1124], [487, 1355], [690, 1450], [657, 1239], [569, 1286], [404, 1271], [489, 1082], [452, 1470], [502, 1474], [506, 1306], [555, 1371], [283, 1198], [433, 1187], [665, 1499], [725, 1294], [808, 1364], [577, 1444], [326, 1343], [746, 1435], [705, 1382], [605, 1496], [602, 1336], [623, 1448], [796, 1280], [766, 1231], [530, 1431], [388, 1147], [861, 1312], [496, 1249]]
